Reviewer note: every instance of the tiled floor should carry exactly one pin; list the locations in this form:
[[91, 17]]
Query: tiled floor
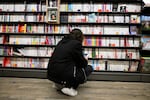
[[41, 89]]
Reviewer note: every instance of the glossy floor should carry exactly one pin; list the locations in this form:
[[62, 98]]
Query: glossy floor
[[41, 89]]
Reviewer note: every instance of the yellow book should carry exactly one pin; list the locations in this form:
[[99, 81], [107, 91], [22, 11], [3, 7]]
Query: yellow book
[[25, 28]]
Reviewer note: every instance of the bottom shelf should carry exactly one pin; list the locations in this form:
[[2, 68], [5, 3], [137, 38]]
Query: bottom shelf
[[95, 76]]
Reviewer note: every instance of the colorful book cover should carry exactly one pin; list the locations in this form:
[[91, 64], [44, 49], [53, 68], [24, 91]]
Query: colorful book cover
[[70, 7], [6, 62]]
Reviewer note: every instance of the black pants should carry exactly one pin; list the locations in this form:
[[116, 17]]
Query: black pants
[[80, 77]]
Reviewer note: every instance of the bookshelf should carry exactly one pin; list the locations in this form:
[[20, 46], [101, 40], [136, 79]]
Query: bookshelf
[[145, 55], [111, 29]]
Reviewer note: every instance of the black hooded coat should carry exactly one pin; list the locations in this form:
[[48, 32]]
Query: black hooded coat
[[67, 62]]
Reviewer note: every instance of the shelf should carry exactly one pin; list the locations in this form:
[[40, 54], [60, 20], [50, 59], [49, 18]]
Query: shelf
[[145, 53], [23, 72], [94, 23], [113, 35], [28, 45], [146, 58], [146, 31], [10, 23], [47, 45], [106, 1], [112, 47], [15, 56], [99, 13], [95, 76], [146, 50], [113, 59], [37, 34], [19, 1], [105, 59], [22, 12], [62, 34]]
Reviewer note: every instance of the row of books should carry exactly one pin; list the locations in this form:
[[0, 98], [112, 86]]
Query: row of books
[[96, 18], [98, 65], [49, 40], [111, 41], [91, 52], [87, 7], [26, 51], [23, 7], [22, 28], [86, 29], [112, 53], [93, 17], [100, 7], [22, 18], [101, 65], [24, 62], [88, 40]]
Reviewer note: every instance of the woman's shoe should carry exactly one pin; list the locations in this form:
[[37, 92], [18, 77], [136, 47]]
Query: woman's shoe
[[69, 91]]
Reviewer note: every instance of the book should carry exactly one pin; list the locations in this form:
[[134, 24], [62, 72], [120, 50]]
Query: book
[[145, 62]]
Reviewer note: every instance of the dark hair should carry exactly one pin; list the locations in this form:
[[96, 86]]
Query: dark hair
[[77, 34]]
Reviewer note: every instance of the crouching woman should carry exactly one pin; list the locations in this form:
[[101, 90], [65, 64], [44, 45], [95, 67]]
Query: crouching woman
[[68, 67]]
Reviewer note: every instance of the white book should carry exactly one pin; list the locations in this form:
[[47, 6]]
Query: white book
[[137, 43], [12, 40], [127, 19], [119, 54], [125, 65], [20, 62], [40, 29], [108, 7], [98, 7], [133, 8], [30, 51], [9, 7], [31, 18], [42, 51], [19, 7], [90, 53], [2, 7], [119, 19], [42, 40], [134, 66], [32, 7], [102, 64], [43, 7], [63, 7], [46, 63], [124, 30], [86, 7], [115, 66], [77, 7]]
